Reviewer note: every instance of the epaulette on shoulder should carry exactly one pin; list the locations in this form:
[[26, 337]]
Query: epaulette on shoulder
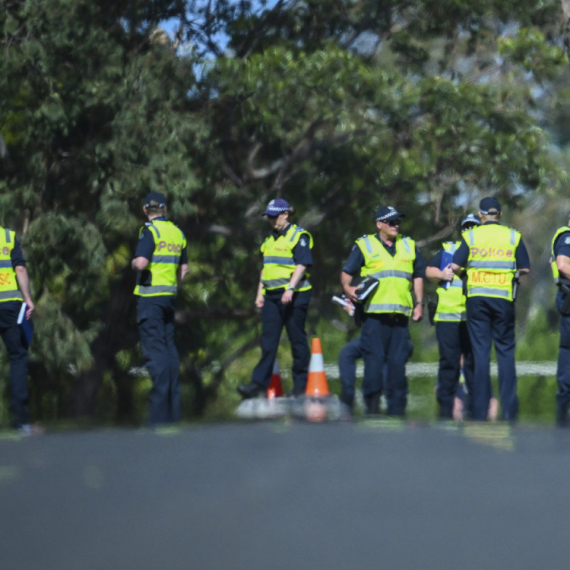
[[362, 237], [148, 224]]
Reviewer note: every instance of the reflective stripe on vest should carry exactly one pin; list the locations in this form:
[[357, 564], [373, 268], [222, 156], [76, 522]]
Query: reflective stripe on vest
[[278, 262], [451, 317], [169, 243], [8, 282], [393, 294], [389, 308], [491, 264], [450, 300], [555, 272]]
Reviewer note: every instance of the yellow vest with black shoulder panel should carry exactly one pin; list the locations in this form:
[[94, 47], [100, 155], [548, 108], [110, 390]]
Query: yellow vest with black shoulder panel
[[394, 274], [491, 264], [278, 262], [555, 272], [169, 243], [451, 301], [8, 283]]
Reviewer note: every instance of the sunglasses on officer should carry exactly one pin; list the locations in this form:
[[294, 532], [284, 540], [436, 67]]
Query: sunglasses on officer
[[393, 223]]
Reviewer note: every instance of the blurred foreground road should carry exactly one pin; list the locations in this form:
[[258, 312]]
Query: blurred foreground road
[[287, 496]]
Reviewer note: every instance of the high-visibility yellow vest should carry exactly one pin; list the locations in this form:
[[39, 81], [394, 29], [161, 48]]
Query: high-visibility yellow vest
[[491, 264], [451, 301], [169, 243], [278, 262], [393, 294], [8, 283], [555, 272]]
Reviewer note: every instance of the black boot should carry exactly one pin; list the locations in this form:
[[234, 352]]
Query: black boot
[[250, 390], [372, 402]]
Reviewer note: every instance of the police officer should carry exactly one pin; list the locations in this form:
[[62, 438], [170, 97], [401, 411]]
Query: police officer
[[14, 288], [283, 296], [161, 263], [451, 327], [492, 255], [398, 265], [560, 259]]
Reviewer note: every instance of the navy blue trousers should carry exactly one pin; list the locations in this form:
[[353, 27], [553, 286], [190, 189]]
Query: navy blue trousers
[[453, 341], [347, 358], [155, 319], [493, 320], [563, 369], [274, 316], [18, 358], [385, 343]]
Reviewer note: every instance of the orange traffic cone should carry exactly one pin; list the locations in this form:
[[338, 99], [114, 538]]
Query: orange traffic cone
[[317, 381], [275, 387]]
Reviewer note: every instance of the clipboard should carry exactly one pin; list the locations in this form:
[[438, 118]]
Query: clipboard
[[446, 259]]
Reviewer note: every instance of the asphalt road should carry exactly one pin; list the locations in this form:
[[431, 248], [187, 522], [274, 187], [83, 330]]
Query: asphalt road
[[371, 495]]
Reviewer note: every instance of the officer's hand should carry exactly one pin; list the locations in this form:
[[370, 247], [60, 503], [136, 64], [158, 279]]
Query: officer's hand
[[287, 297], [259, 301], [30, 309], [447, 273], [350, 292], [418, 313]]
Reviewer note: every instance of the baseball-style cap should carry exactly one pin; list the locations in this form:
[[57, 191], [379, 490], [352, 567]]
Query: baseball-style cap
[[276, 207], [387, 213], [470, 219], [487, 205], [156, 199]]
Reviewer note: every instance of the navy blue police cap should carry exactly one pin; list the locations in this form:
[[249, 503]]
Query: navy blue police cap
[[489, 205], [155, 199], [387, 213], [276, 207], [470, 219]]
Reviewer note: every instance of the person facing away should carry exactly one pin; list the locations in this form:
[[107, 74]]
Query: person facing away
[[398, 265], [451, 327], [14, 288], [283, 295], [492, 256], [560, 261], [161, 262]]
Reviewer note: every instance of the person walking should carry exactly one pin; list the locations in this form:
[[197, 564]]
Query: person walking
[[451, 327], [493, 256], [560, 260], [161, 263], [283, 295], [397, 264], [14, 288]]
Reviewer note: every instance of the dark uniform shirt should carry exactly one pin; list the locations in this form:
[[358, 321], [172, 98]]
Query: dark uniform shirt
[[355, 260], [17, 255], [521, 254]]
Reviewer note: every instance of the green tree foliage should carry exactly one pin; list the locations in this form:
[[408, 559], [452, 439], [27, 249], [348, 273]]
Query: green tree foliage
[[336, 105]]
